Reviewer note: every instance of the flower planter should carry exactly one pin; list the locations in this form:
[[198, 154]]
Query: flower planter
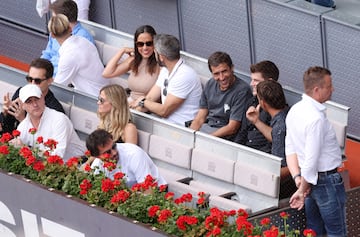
[[30, 209]]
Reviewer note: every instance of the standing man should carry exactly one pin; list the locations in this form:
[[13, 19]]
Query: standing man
[[40, 74], [178, 87], [222, 103], [70, 10], [255, 131], [49, 124], [313, 156]]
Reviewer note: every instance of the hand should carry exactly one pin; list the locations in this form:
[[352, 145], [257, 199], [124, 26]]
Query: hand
[[16, 110], [6, 103], [297, 200], [129, 51], [252, 114]]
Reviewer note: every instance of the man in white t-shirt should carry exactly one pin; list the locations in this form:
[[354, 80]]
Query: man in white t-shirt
[[131, 159], [49, 124], [178, 86]]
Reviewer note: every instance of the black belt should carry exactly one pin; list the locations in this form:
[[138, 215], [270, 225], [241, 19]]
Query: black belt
[[333, 171]]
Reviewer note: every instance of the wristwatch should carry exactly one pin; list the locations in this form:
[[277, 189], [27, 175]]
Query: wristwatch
[[141, 103]]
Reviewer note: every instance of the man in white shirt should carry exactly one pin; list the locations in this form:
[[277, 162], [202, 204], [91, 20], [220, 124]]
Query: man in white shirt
[[131, 159], [49, 123], [313, 156], [178, 87]]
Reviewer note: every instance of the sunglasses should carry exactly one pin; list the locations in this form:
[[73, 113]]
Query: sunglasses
[[112, 148], [36, 80], [141, 44], [166, 83]]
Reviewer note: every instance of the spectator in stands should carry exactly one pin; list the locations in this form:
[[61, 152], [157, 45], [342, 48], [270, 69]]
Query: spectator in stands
[[69, 9], [255, 130], [178, 86], [114, 114], [79, 62], [313, 156], [131, 159], [49, 123], [222, 103], [272, 100], [141, 62], [40, 74]]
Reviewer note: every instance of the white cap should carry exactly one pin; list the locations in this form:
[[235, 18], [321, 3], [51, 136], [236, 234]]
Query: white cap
[[28, 91]]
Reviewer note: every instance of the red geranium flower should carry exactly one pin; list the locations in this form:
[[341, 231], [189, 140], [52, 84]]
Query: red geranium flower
[[4, 150], [6, 137], [38, 166], [32, 131], [284, 215], [16, 133], [51, 144], [169, 195], [55, 159], [119, 175], [87, 167], [40, 139], [309, 233], [120, 196], [152, 212], [73, 161], [164, 216], [265, 221], [107, 185]]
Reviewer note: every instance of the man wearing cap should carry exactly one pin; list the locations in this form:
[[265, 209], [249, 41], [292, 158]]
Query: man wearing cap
[[49, 124], [40, 74]]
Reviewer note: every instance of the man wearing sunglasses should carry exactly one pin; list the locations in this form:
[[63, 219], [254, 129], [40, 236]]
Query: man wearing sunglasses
[[40, 74], [129, 158]]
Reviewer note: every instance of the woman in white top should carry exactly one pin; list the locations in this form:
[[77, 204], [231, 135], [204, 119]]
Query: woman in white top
[[79, 61], [141, 62]]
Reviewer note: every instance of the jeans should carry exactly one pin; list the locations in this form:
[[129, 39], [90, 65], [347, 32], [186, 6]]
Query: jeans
[[325, 3], [325, 206]]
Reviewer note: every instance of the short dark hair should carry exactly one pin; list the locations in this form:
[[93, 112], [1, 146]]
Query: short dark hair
[[99, 137], [272, 93], [42, 63], [66, 7], [314, 76], [217, 58], [267, 69]]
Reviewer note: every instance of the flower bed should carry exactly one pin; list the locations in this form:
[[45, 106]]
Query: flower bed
[[145, 202]]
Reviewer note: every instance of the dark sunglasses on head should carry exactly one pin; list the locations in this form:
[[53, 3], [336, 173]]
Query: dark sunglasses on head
[[166, 83], [36, 80], [112, 148], [141, 44]]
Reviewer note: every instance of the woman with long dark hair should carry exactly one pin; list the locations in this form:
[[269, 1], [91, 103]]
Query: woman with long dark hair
[[141, 63]]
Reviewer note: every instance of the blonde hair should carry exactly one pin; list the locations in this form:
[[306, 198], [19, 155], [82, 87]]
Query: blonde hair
[[59, 25], [119, 116]]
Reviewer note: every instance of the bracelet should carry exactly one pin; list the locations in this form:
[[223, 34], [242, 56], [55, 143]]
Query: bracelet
[[295, 176]]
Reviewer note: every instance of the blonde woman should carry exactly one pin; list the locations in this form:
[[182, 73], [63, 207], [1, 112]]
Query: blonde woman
[[114, 114], [79, 61]]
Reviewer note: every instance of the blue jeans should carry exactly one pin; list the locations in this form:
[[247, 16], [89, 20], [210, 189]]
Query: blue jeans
[[325, 206], [325, 3]]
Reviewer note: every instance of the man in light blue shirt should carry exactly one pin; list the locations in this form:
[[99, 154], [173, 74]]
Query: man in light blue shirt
[[70, 10]]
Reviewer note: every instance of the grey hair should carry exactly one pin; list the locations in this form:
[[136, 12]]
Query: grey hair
[[168, 46]]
